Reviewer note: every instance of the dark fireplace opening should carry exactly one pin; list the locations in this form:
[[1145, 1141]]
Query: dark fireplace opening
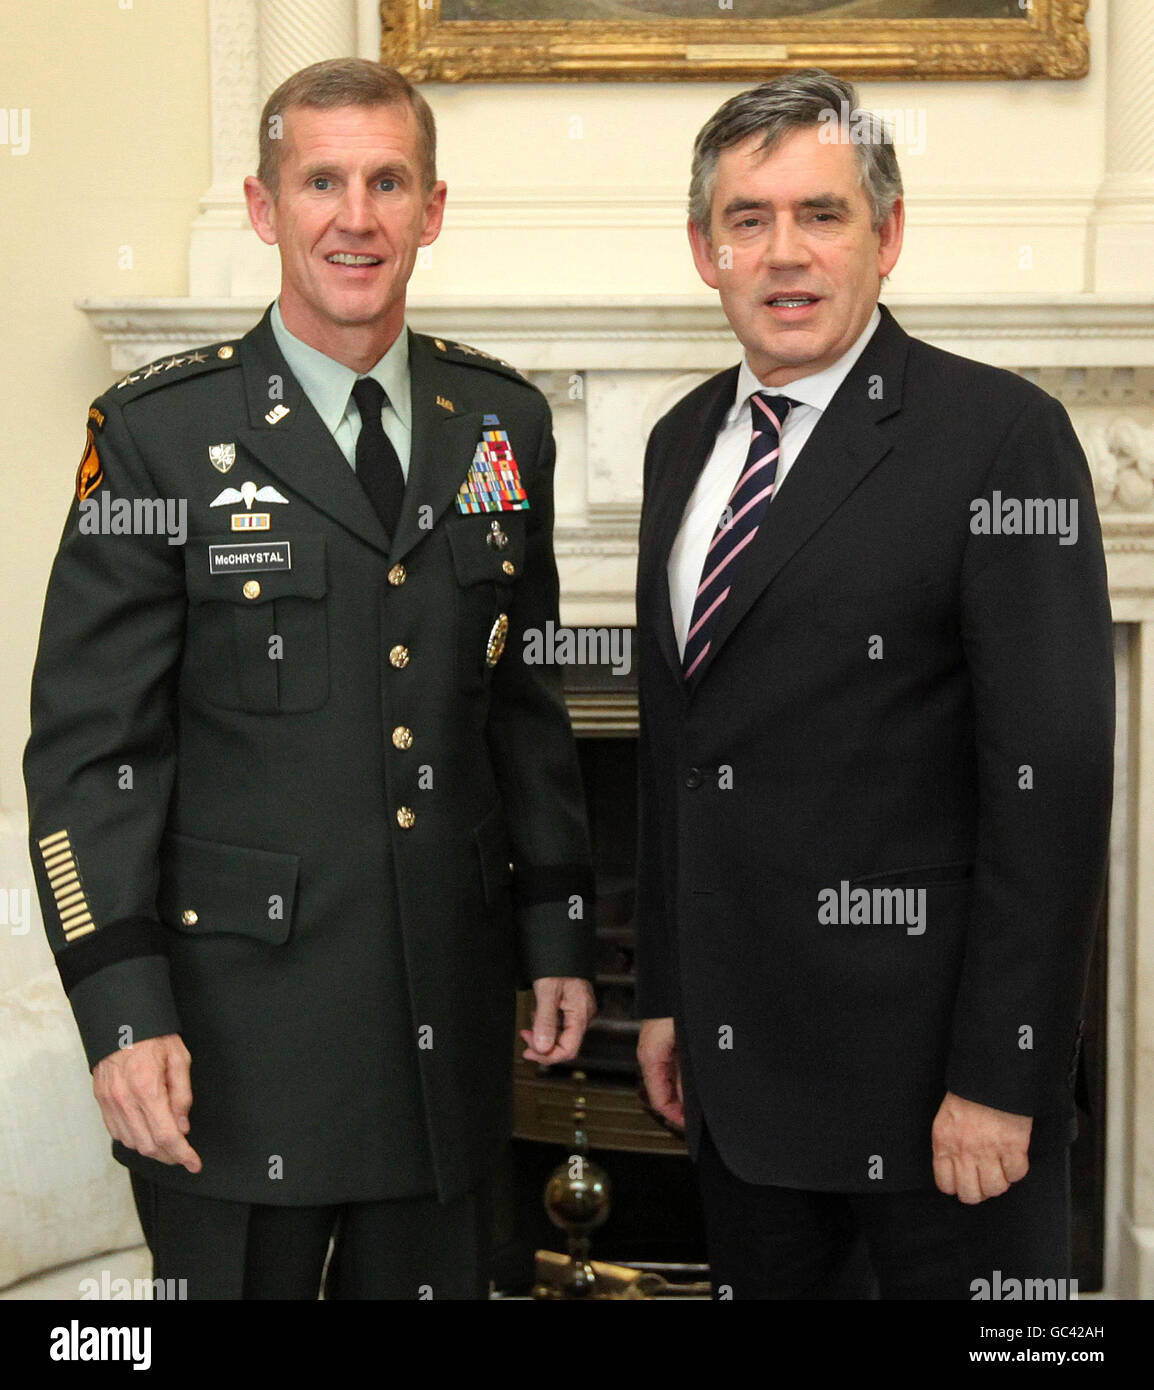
[[655, 1216]]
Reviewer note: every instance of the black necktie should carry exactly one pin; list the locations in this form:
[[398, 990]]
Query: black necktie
[[378, 467]]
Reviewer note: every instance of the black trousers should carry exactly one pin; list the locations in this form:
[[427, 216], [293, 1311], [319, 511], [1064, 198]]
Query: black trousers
[[785, 1243], [407, 1248]]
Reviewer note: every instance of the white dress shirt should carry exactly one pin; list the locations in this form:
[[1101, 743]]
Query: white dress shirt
[[722, 469]]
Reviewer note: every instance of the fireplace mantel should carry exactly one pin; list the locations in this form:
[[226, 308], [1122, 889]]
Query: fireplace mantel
[[611, 365], [683, 330]]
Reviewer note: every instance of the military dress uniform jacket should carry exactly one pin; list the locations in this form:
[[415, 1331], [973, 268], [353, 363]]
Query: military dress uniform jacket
[[895, 701], [293, 792]]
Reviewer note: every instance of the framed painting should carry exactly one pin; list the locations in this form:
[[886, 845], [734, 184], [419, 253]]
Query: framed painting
[[732, 40]]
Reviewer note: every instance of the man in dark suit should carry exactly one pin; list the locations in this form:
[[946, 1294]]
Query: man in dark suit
[[876, 726], [301, 817]]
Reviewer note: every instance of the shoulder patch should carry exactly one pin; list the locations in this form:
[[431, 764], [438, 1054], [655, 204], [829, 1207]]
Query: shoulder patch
[[90, 474], [474, 357], [167, 370]]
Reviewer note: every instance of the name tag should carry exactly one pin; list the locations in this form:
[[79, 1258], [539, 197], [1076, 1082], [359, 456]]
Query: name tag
[[247, 559]]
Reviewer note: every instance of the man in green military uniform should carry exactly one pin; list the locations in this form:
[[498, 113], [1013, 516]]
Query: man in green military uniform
[[301, 817]]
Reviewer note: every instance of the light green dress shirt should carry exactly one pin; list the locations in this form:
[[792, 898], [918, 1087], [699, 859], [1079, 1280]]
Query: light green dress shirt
[[329, 384]]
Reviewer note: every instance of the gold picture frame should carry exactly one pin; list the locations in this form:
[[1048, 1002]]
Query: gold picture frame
[[448, 41]]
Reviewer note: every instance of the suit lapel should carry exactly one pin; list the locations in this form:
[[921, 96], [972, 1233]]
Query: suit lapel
[[674, 488], [444, 442], [298, 448], [845, 446]]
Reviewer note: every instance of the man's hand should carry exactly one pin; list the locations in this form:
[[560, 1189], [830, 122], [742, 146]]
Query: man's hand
[[145, 1094], [661, 1069], [570, 998], [978, 1151]]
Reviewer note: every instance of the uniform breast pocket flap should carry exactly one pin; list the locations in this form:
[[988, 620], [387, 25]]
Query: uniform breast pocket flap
[[208, 888], [488, 548], [258, 623]]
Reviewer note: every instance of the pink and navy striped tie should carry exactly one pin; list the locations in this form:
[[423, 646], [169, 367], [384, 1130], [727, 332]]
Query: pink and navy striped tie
[[738, 524]]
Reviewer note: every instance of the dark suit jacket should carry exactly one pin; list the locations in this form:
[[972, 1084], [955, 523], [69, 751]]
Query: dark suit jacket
[[969, 755], [344, 982]]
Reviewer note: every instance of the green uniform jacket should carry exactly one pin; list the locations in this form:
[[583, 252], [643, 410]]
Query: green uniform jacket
[[300, 800]]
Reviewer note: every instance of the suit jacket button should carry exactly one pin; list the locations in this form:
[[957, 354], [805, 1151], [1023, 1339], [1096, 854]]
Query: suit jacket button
[[251, 589], [189, 917], [402, 737], [406, 818], [399, 656], [397, 575], [693, 778]]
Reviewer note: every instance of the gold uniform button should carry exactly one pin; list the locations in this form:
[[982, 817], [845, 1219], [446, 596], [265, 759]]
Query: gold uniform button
[[189, 918], [406, 818], [251, 589], [402, 737], [397, 575], [225, 353], [509, 567], [399, 656]]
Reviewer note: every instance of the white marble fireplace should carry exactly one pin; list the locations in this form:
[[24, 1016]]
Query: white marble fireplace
[[611, 365]]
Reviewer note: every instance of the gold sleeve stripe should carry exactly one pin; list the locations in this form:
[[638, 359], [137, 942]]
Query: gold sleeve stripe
[[64, 880]]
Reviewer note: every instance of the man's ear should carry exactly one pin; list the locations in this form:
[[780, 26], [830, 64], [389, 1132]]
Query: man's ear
[[261, 210], [702, 248], [890, 235], [434, 213]]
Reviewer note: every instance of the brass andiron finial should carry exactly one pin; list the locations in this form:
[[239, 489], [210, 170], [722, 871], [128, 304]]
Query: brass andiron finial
[[577, 1200]]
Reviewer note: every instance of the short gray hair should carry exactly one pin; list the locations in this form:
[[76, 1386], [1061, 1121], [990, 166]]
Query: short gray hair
[[795, 101], [337, 82]]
